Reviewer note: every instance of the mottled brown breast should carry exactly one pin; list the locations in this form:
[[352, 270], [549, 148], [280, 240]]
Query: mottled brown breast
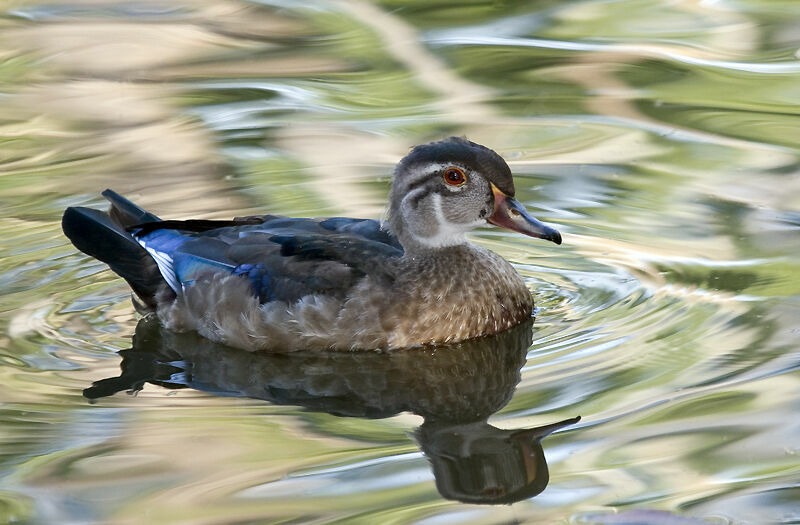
[[460, 293]]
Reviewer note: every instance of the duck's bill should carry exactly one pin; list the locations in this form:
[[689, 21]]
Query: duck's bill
[[509, 213]]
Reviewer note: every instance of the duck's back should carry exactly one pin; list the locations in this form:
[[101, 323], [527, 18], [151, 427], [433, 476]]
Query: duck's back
[[283, 259], [281, 283]]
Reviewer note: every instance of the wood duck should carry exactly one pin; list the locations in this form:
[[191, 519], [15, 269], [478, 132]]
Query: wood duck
[[281, 284]]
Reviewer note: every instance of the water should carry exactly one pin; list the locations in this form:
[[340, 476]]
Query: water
[[659, 136]]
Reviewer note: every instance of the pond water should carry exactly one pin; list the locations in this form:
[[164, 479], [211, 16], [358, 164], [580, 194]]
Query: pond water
[[661, 137]]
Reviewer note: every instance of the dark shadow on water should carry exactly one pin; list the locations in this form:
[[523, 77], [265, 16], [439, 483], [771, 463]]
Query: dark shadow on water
[[455, 388]]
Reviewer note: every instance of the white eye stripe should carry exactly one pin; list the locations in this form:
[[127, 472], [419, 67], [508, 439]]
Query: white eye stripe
[[428, 170], [455, 189]]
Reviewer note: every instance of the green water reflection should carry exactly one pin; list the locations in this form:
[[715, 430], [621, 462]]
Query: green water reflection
[[658, 135]]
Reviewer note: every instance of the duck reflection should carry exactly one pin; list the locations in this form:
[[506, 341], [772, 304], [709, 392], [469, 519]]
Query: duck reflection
[[455, 388]]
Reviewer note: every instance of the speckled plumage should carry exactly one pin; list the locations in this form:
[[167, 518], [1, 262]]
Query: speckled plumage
[[424, 304], [283, 284]]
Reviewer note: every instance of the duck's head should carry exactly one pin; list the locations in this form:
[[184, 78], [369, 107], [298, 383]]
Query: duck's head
[[444, 189]]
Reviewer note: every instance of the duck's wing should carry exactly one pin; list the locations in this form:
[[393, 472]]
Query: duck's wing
[[284, 258]]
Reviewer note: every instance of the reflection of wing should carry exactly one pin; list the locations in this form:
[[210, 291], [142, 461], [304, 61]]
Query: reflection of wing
[[466, 381], [284, 258]]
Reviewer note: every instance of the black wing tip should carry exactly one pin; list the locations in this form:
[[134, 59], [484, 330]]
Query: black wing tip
[[76, 219], [126, 212]]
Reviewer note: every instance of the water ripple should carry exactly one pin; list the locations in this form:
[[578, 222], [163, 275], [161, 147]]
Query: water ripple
[[641, 50]]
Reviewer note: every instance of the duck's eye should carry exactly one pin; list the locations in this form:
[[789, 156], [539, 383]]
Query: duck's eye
[[454, 176]]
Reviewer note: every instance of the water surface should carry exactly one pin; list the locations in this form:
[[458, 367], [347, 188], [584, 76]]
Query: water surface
[[659, 136]]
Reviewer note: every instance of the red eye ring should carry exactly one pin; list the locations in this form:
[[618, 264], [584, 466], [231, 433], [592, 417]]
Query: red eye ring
[[454, 176]]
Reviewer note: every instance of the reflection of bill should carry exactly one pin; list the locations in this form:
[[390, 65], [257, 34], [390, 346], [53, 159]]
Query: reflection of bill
[[454, 387], [479, 463]]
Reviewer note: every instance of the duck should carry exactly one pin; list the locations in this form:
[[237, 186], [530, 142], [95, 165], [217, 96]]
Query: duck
[[280, 284]]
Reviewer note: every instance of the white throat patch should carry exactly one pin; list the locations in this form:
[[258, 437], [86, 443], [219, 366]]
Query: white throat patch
[[447, 233]]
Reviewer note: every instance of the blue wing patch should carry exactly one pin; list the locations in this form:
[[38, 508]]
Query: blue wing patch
[[161, 244], [260, 280], [198, 256]]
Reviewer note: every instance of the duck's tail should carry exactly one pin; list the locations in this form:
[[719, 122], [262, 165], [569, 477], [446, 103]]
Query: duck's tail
[[104, 237]]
